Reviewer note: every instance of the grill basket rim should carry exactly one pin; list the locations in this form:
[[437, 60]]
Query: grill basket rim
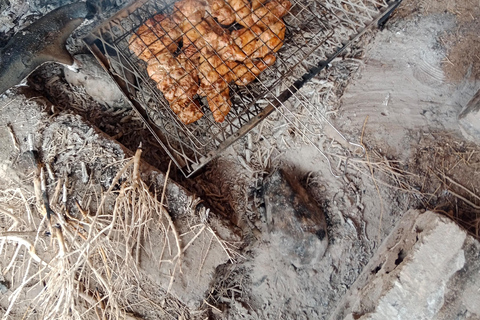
[[120, 67]]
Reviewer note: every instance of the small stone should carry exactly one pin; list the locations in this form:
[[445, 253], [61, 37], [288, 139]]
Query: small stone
[[296, 224], [3, 287]]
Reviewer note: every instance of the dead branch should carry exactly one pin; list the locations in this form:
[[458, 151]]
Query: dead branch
[[169, 219], [31, 249]]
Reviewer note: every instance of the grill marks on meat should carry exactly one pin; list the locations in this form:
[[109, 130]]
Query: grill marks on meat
[[203, 35], [154, 43], [216, 74], [214, 79], [271, 40], [221, 10], [202, 31], [243, 12], [154, 36], [244, 73], [267, 32], [178, 80], [271, 12], [211, 56]]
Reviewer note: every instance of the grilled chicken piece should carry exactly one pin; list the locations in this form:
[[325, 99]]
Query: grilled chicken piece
[[218, 99], [195, 10], [244, 73], [268, 32], [154, 36], [214, 78], [175, 77], [194, 34], [191, 10], [188, 111], [243, 12], [211, 55], [222, 11], [189, 14], [191, 18], [221, 41], [271, 40], [257, 4], [246, 39], [248, 14], [178, 80], [271, 12], [203, 35], [215, 74], [224, 46], [257, 43]]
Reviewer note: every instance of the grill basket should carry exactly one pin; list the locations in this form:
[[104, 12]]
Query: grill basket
[[316, 32]]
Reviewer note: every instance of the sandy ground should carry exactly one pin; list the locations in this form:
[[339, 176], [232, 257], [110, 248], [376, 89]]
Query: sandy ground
[[399, 97]]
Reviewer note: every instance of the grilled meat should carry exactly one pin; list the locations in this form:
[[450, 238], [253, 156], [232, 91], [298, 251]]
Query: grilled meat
[[211, 56], [154, 36], [178, 80], [214, 78]]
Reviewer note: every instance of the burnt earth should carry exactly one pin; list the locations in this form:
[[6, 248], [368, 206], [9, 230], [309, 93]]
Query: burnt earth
[[296, 224]]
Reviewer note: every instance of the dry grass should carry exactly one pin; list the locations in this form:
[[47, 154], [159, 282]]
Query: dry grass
[[442, 176], [88, 264], [61, 265], [83, 267], [229, 286]]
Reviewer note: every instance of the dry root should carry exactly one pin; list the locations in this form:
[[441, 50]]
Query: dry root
[[92, 261], [87, 265]]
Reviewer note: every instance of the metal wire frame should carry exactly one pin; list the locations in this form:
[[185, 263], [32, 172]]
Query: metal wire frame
[[316, 33]]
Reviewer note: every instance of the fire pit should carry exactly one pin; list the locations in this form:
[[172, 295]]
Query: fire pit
[[316, 33]]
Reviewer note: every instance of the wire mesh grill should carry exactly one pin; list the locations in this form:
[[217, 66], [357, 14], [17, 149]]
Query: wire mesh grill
[[316, 31]]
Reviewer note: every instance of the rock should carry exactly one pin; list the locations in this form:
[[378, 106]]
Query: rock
[[95, 80], [42, 41], [469, 119], [296, 224], [427, 268], [3, 287]]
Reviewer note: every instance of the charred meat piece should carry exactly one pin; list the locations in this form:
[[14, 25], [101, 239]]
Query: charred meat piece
[[257, 43], [257, 3], [243, 12], [246, 39], [191, 11], [215, 74], [271, 40], [203, 35], [267, 33], [271, 12]]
